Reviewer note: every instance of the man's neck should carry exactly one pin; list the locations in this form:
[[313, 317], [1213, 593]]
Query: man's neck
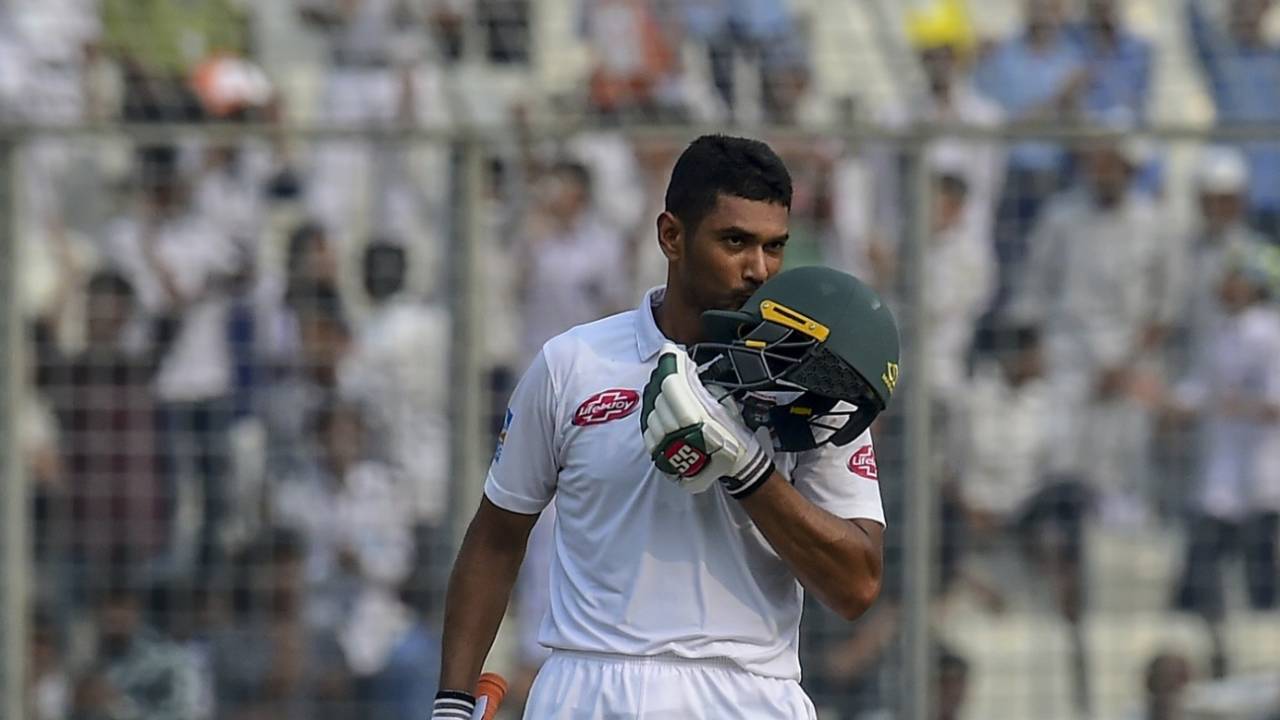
[[942, 95], [677, 317]]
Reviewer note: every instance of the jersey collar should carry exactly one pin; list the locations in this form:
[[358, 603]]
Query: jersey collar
[[649, 338]]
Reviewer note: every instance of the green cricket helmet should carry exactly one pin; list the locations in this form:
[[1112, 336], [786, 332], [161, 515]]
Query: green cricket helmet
[[812, 355]]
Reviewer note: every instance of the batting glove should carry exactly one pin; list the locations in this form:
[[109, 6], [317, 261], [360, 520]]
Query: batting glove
[[694, 437], [452, 705]]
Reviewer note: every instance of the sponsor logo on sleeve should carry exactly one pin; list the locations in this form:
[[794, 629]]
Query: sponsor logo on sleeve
[[606, 406], [502, 436], [863, 463]]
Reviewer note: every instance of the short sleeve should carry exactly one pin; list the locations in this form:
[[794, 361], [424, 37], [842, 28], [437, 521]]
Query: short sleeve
[[843, 480], [522, 477]]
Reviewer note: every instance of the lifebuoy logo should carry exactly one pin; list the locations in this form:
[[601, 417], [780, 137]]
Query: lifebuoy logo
[[606, 406], [863, 463]]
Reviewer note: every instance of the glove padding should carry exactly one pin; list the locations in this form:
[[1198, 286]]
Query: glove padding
[[695, 438]]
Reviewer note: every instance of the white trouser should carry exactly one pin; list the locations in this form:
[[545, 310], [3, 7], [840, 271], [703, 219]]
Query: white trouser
[[596, 686]]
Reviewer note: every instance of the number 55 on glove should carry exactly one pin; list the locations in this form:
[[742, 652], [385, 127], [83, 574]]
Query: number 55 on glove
[[695, 438]]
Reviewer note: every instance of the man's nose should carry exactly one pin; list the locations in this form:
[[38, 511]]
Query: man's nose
[[755, 268]]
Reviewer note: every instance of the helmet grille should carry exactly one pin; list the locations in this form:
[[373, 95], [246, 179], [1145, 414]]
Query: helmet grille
[[827, 374]]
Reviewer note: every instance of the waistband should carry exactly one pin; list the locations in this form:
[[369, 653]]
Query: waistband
[[662, 659]]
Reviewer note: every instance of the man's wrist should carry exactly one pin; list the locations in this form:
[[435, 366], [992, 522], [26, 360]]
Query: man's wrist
[[744, 483], [453, 705]]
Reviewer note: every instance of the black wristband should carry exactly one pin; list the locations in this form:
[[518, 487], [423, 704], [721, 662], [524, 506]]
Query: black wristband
[[453, 705], [759, 470]]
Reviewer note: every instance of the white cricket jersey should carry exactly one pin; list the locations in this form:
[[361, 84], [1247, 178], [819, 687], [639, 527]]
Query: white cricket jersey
[[641, 566], [1240, 457]]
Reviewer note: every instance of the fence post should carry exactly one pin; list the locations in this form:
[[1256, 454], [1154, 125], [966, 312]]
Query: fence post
[[13, 487], [918, 531], [469, 393]]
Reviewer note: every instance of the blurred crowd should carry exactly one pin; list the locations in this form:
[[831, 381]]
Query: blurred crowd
[[238, 429]]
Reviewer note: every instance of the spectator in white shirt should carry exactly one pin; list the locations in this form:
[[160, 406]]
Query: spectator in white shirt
[[574, 265], [303, 386], [1004, 438], [182, 267], [399, 369], [1221, 185], [361, 186], [48, 677], [1102, 282], [1233, 391], [356, 518], [943, 40], [960, 271]]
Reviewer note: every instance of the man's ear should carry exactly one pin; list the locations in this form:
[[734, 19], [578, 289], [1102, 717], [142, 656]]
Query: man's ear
[[670, 236]]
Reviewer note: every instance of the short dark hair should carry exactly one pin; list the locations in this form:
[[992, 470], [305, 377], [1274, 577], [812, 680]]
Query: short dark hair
[[304, 237], [953, 183], [110, 282], [715, 165], [385, 263], [1009, 338], [575, 171], [949, 661]]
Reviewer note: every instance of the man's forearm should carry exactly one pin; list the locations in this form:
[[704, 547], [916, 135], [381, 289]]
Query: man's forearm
[[479, 590], [838, 560]]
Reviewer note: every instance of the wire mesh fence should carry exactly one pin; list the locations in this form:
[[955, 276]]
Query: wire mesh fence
[[275, 269]]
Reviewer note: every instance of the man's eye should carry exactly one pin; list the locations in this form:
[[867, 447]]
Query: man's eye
[[734, 241]]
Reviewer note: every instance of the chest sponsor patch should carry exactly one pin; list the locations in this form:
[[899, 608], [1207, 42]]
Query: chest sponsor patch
[[606, 406], [863, 463]]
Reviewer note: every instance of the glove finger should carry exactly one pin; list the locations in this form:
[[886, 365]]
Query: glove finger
[[717, 440], [653, 436], [684, 404], [656, 424], [664, 419]]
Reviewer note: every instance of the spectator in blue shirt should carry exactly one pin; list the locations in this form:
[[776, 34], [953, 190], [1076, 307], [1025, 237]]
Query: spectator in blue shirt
[[764, 30], [1118, 62], [1118, 87], [1242, 70], [1035, 76]]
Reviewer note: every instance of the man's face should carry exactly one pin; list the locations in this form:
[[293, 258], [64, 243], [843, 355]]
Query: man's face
[[107, 315], [738, 245], [566, 197], [117, 622], [939, 66], [285, 585], [949, 204], [1043, 15], [343, 438], [1102, 12], [1108, 173], [1236, 292], [1221, 210], [1246, 18], [323, 343], [952, 690], [318, 261]]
